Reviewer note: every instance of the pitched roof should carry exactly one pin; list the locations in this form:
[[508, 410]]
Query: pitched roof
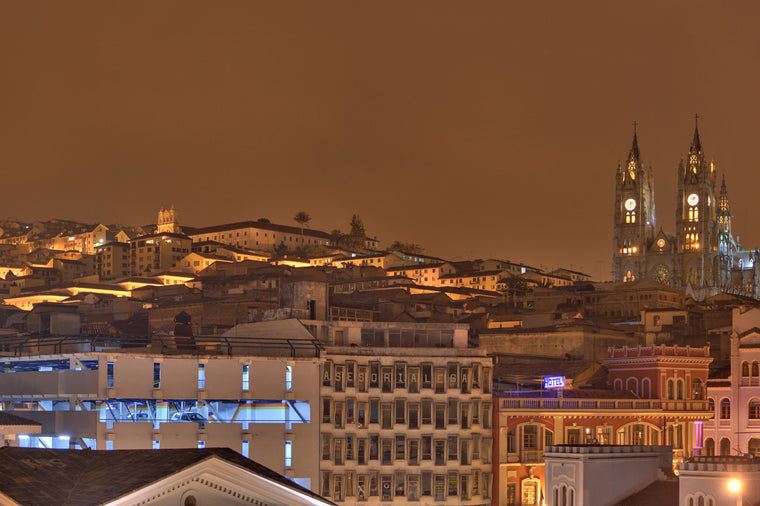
[[255, 224], [36, 476]]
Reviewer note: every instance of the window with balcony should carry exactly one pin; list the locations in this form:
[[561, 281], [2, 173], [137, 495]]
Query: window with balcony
[[725, 409], [530, 437], [427, 447], [386, 451], [414, 416], [453, 412], [453, 443], [754, 409], [440, 416], [440, 452], [400, 409]]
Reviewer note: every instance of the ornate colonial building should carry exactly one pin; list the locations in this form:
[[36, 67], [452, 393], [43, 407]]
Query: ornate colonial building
[[702, 257]]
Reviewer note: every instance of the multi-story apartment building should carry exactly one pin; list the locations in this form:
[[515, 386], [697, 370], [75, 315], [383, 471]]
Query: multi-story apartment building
[[158, 252], [112, 260], [403, 425]]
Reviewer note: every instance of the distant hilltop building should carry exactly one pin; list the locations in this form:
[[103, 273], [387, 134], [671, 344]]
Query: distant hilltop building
[[167, 221], [702, 258]]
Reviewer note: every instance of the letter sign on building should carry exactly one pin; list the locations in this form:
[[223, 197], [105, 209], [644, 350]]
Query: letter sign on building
[[554, 382]]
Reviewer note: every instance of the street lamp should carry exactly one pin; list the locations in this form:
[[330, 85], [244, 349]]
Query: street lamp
[[735, 487]]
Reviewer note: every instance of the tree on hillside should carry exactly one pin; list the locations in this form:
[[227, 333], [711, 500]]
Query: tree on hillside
[[358, 235], [354, 239], [409, 248], [302, 218]]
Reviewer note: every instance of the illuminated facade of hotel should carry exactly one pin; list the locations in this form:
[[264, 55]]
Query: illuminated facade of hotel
[[658, 397]]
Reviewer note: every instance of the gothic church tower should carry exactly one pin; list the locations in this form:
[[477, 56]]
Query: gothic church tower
[[634, 217], [697, 264]]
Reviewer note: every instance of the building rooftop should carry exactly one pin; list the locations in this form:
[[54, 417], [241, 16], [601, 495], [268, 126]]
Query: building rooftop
[[36, 476], [722, 463]]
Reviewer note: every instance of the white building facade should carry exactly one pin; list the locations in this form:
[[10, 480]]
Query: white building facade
[[735, 400], [265, 408]]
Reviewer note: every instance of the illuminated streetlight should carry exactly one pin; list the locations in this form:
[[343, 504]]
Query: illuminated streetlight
[[735, 487]]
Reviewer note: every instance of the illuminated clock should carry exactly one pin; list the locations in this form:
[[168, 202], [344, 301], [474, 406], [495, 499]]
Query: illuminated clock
[[693, 199], [660, 243], [630, 204]]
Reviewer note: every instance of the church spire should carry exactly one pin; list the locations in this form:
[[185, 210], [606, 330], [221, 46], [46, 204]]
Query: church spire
[[633, 154], [696, 144], [723, 205]]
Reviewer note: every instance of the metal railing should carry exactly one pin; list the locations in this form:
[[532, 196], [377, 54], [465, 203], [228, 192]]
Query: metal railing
[[18, 346]]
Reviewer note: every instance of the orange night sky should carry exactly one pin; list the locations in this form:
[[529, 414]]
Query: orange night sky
[[475, 129]]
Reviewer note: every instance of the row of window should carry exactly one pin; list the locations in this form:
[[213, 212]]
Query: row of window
[[402, 450], [532, 435], [753, 409], [245, 376], [410, 487], [753, 447], [402, 412], [402, 376], [675, 389]]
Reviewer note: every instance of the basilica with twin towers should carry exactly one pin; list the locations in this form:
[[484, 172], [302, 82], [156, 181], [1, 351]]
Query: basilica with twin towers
[[702, 257]]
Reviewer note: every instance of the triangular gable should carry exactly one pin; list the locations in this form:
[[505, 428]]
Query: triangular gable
[[750, 337], [216, 481], [662, 243]]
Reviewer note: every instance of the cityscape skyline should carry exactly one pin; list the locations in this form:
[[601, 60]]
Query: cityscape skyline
[[489, 133]]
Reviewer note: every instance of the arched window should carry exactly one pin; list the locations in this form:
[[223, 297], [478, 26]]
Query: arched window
[[753, 447], [556, 497], [572, 497], [755, 369], [679, 390], [697, 393], [709, 448], [711, 406], [725, 409], [646, 389], [617, 384], [631, 384], [564, 495], [670, 389], [701, 501], [745, 369], [725, 446], [754, 409]]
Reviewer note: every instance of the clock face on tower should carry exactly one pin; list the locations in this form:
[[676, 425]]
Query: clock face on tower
[[693, 199], [630, 204], [660, 243]]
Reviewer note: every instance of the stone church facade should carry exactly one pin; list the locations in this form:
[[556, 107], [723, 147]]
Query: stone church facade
[[702, 257]]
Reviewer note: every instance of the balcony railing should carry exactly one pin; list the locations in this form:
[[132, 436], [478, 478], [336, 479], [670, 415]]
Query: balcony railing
[[594, 404]]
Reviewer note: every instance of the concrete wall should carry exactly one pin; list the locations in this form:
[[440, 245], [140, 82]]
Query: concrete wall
[[50, 383], [575, 343], [602, 475]]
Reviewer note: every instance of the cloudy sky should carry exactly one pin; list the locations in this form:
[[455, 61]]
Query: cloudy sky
[[475, 129]]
